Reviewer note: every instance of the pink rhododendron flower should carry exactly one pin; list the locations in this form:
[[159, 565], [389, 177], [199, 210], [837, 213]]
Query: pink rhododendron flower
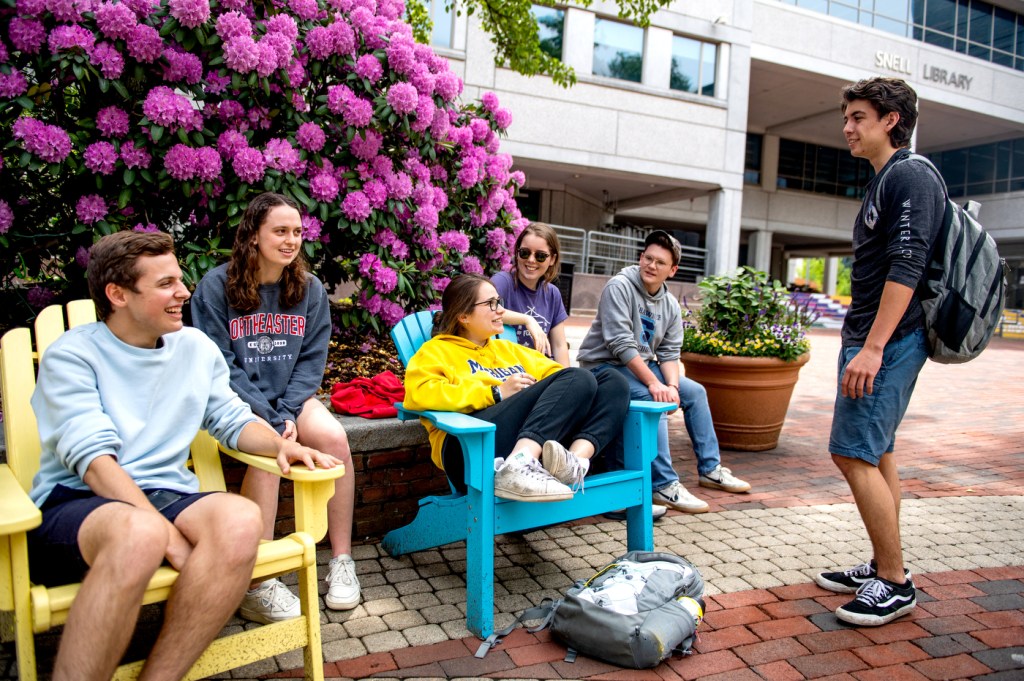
[[233, 24], [6, 217], [163, 106], [310, 137], [108, 59], [82, 257], [384, 279], [304, 9], [365, 144], [208, 164], [471, 265], [503, 118], [27, 35], [284, 25], [91, 208], [249, 165], [112, 122], [368, 66], [190, 13], [281, 155], [64, 10], [100, 157], [241, 54], [115, 20], [311, 227], [145, 44], [344, 37], [181, 162], [49, 142], [12, 84], [426, 217], [145, 227], [39, 297], [448, 85], [182, 66], [66, 37], [356, 207], [323, 187], [403, 98], [133, 157]]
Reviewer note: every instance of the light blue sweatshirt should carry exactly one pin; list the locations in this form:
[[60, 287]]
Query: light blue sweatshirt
[[96, 395]]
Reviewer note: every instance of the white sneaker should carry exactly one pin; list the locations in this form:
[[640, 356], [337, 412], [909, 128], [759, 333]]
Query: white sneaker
[[343, 585], [675, 496], [722, 478], [521, 478], [563, 465], [656, 513], [270, 602]]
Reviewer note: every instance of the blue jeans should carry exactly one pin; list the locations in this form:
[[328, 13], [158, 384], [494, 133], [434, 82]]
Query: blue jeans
[[696, 414]]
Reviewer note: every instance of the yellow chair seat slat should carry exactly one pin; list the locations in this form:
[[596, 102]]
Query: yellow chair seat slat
[[38, 608]]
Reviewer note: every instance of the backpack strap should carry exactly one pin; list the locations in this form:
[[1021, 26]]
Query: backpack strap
[[545, 611]]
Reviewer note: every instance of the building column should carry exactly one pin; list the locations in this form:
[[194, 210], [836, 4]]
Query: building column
[[759, 250], [828, 286], [770, 163], [578, 40], [723, 231], [657, 66], [791, 270]]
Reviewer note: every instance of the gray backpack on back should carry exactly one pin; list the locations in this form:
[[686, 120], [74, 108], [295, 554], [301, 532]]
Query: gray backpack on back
[[963, 285]]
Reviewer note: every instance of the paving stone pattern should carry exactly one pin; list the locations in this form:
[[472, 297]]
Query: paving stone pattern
[[961, 455]]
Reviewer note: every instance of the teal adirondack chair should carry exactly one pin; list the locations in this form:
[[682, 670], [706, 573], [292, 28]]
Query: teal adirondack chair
[[478, 516]]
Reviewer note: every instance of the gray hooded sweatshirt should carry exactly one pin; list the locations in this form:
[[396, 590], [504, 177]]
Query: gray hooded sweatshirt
[[631, 322]]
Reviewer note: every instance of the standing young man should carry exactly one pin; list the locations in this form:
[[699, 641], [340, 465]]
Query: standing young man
[[883, 338], [639, 333], [118, 403]]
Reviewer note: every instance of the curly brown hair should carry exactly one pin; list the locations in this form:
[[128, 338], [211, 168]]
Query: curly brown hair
[[243, 286]]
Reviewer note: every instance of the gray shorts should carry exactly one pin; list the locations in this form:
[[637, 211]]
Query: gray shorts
[[865, 428]]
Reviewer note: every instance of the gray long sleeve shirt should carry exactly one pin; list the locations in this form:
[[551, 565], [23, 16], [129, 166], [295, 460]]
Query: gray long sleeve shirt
[[276, 355], [631, 322]]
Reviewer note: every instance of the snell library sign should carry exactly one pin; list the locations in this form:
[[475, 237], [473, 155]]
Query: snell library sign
[[900, 64]]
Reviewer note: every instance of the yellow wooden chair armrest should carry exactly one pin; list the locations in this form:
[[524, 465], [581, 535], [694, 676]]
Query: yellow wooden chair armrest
[[17, 512], [312, 490]]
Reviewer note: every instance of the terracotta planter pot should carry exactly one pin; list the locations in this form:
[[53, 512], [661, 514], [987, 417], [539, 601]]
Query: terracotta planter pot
[[748, 396]]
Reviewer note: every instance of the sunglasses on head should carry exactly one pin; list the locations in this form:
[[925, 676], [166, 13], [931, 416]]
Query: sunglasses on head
[[539, 256]]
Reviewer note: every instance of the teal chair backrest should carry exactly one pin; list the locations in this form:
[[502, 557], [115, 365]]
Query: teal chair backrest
[[413, 331]]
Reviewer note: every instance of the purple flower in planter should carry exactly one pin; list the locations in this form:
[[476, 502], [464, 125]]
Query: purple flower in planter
[[248, 164], [91, 208], [310, 137], [108, 59], [27, 35], [145, 44], [190, 13], [100, 157], [356, 207], [133, 157], [6, 217], [115, 20]]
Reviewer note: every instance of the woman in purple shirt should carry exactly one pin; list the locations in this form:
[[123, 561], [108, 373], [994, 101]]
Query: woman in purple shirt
[[532, 303]]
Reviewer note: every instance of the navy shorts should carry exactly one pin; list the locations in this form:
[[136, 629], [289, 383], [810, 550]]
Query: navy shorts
[[865, 428], [53, 554]]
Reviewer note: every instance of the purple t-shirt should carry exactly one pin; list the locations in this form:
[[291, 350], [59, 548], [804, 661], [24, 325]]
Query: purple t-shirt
[[545, 304]]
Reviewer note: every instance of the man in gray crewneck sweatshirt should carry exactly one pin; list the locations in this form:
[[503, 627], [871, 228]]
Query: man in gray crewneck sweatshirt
[[639, 332]]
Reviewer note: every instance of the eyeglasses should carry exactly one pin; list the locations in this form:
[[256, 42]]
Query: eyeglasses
[[493, 303], [539, 256]]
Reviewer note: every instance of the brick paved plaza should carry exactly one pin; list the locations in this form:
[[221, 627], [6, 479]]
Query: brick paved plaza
[[961, 454]]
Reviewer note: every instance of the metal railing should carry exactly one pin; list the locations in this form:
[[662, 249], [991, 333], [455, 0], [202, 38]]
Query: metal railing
[[599, 252]]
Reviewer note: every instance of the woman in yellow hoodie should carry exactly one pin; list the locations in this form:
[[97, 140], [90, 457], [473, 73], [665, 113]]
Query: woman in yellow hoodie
[[537, 405]]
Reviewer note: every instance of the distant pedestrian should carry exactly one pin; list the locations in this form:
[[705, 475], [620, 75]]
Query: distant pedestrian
[[883, 339]]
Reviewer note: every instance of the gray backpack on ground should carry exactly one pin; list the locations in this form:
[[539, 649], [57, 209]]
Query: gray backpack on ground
[[963, 285], [634, 612]]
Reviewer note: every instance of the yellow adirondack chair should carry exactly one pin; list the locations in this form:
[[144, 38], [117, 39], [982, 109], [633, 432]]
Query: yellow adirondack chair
[[38, 608]]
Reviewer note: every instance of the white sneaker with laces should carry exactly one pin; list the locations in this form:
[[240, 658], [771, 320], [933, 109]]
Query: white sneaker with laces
[[722, 478], [270, 602], [521, 478], [342, 584], [675, 496], [563, 465]]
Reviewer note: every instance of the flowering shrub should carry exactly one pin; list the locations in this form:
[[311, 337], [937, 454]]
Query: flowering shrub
[[746, 315], [139, 114]]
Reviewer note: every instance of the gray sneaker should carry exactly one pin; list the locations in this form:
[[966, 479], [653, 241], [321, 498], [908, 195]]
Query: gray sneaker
[[521, 478], [270, 602], [675, 496], [343, 585], [563, 465], [722, 478]]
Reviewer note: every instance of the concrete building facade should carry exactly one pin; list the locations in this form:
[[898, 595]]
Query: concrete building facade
[[720, 121]]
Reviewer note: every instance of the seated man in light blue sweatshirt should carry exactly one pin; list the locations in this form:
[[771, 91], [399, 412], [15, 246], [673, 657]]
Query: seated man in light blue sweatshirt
[[118, 403], [639, 333]]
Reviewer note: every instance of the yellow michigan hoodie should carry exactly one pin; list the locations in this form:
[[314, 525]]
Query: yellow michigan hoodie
[[450, 373]]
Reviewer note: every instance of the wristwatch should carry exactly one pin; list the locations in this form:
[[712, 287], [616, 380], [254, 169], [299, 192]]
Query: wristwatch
[[496, 393]]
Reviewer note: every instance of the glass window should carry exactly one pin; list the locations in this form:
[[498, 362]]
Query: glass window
[[752, 162], [816, 5], [843, 11], [618, 50], [825, 170], [443, 19], [981, 23], [1003, 30], [940, 15], [685, 74], [550, 29], [709, 63]]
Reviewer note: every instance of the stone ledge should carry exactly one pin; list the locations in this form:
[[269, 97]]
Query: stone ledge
[[370, 435]]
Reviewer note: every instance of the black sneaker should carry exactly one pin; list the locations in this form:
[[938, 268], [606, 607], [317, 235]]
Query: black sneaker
[[849, 581], [879, 602]]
